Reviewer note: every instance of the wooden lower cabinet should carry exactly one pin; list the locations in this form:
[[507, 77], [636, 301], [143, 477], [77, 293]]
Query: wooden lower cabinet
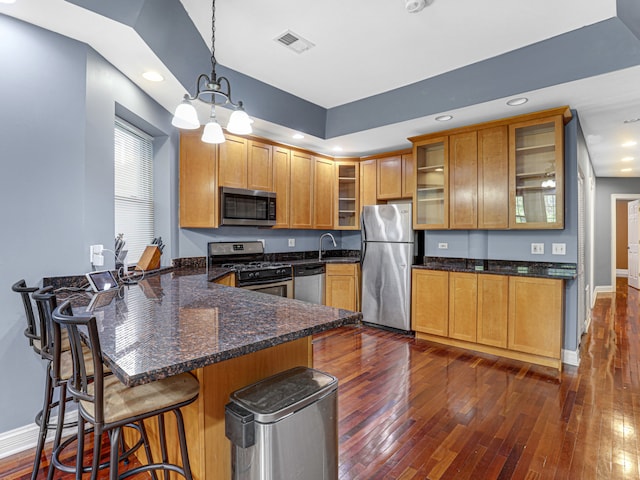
[[514, 317], [229, 280], [463, 303], [342, 286], [535, 316], [493, 310], [430, 302]]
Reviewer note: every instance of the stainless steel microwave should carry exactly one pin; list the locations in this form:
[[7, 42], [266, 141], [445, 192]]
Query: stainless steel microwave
[[239, 206]]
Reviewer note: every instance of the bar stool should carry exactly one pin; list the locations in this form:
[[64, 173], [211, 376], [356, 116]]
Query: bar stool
[[31, 332], [59, 371], [36, 332], [108, 405]]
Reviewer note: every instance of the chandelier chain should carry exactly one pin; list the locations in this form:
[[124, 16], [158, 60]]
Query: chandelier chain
[[213, 38]]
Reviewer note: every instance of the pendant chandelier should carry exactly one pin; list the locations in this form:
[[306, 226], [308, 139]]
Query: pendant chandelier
[[215, 91]]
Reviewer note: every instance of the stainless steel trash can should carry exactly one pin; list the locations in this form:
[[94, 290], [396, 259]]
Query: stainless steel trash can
[[285, 427]]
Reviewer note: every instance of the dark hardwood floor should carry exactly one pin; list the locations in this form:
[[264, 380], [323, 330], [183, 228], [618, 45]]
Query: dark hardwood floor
[[415, 410]]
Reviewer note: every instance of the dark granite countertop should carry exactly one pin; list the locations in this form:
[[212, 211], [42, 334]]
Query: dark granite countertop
[[177, 321], [565, 271]]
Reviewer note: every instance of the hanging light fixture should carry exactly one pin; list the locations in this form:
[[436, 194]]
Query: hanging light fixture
[[215, 91]]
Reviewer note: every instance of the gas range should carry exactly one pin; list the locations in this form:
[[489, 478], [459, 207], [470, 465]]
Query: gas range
[[247, 260]]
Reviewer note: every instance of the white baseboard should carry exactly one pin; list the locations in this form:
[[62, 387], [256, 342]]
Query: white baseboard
[[620, 272], [601, 289], [571, 357], [25, 438]]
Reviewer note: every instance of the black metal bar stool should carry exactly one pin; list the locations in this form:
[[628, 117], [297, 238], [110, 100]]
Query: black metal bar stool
[[36, 333], [108, 405]]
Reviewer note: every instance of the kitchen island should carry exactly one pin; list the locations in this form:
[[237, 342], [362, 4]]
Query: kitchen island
[[227, 337]]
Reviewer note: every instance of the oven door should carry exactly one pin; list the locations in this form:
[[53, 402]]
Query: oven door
[[280, 289]]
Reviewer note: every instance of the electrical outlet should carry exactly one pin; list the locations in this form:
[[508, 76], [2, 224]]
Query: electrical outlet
[[443, 245], [94, 252], [292, 242], [558, 248], [537, 248]]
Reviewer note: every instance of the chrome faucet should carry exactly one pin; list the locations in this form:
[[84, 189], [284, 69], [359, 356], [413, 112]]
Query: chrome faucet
[[320, 247]]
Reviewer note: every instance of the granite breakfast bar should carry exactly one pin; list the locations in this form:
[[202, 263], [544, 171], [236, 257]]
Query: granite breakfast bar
[[227, 337]]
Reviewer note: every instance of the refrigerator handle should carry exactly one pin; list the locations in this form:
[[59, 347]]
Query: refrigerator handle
[[363, 248]]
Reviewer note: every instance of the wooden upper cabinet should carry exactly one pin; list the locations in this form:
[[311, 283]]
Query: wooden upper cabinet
[[232, 159], [323, 197], [407, 175], [463, 180], [431, 177], [368, 182], [245, 164], [536, 163], [259, 166], [282, 185], [198, 186], [347, 205], [493, 178], [301, 204], [389, 178]]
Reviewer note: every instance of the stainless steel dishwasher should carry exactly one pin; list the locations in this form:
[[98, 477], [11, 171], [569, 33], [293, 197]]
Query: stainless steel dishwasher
[[308, 282]]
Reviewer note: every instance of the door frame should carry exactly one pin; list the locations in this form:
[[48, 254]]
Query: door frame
[[614, 198]]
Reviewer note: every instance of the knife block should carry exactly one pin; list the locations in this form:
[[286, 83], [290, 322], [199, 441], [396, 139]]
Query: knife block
[[150, 259]]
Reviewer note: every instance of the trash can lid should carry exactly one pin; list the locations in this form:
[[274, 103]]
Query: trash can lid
[[282, 394]]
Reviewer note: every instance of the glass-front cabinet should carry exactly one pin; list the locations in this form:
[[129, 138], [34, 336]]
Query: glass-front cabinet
[[348, 207], [431, 200], [536, 153]]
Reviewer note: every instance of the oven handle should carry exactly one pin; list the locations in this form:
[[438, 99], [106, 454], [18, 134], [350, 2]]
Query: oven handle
[[275, 282]]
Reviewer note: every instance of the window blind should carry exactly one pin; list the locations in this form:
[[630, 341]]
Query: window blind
[[133, 189]]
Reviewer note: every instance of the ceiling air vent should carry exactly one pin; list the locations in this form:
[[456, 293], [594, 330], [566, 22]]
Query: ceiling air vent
[[294, 42]]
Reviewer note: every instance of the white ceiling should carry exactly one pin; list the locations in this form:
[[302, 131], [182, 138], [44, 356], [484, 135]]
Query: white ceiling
[[366, 47]]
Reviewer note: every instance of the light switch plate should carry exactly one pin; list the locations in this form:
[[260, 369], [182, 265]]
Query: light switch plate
[[443, 245], [558, 248], [537, 248], [292, 242]]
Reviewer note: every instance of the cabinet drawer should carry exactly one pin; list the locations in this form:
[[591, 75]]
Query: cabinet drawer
[[342, 268]]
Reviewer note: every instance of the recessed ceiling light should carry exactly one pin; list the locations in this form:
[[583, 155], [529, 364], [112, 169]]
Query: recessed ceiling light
[[337, 149], [632, 120], [627, 159], [7, 1], [153, 76], [444, 118], [514, 102], [625, 170], [298, 136], [631, 143]]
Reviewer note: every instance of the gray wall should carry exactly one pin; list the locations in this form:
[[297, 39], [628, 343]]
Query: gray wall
[[58, 106], [605, 187]]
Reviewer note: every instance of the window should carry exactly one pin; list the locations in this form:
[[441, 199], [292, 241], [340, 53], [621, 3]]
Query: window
[[133, 189]]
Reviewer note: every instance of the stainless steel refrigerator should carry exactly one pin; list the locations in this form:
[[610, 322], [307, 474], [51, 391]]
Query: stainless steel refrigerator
[[387, 255]]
